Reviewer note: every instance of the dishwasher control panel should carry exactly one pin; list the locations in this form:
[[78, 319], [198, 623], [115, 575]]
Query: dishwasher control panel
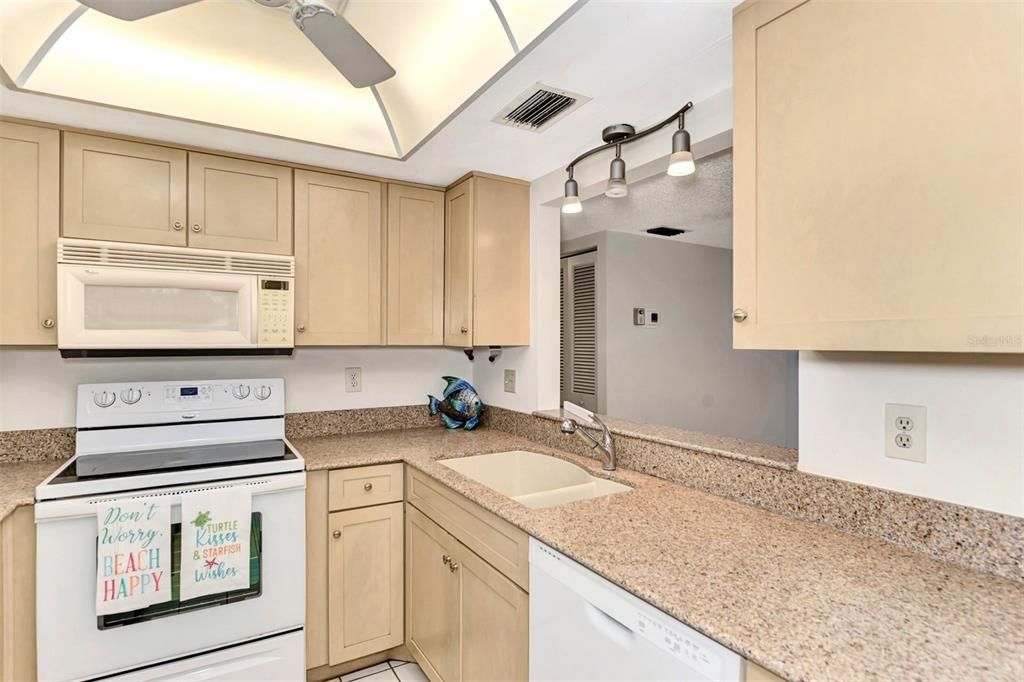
[[678, 642]]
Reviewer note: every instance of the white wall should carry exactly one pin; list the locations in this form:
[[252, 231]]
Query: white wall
[[37, 386], [975, 422]]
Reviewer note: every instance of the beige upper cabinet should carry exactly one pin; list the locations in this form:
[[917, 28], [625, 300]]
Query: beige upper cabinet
[[365, 586], [29, 225], [338, 260], [879, 169], [124, 191], [415, 237], [487, 262], [237, 205]]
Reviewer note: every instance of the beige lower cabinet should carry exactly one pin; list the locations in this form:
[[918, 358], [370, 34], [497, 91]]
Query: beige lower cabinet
[[18, 596], [364, 583], [755, 673], [355, 559], [338, 260], [29, 226], [465, 619]]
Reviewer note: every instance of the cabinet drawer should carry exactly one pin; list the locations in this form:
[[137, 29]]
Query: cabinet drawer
[[499, 542], [365, 486]]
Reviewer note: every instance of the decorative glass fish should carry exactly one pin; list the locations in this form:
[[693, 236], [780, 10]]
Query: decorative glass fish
[[460, 406]]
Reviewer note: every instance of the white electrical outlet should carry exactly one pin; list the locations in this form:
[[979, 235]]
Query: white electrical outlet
[[510, 381], [905, 432], [353, 379]]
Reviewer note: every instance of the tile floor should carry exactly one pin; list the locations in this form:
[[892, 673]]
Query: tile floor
[[391, 671]]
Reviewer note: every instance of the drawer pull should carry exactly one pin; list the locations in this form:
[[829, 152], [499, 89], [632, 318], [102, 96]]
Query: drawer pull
[[368, 487]]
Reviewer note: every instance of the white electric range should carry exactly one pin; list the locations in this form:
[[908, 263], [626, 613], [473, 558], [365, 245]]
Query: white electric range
[[166, 439]]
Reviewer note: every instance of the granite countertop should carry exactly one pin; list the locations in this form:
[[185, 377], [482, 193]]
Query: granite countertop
[[18, 481], [764, 454], [805, 601]]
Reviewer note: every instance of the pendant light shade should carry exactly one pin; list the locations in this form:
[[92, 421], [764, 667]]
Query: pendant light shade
[[617, 187], [681, 161], [571, 203]]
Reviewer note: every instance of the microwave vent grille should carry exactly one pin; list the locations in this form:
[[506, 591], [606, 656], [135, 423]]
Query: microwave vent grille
[[87, 252]]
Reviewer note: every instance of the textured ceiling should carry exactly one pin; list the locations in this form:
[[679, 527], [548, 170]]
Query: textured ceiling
[[701, 202]]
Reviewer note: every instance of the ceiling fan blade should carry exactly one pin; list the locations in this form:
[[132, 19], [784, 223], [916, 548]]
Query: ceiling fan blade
[[341, 43], [130, 10]]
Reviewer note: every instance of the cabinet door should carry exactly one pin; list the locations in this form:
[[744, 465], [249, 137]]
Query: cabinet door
[[17, 596], [338, 260], [237, 205], [415, 266], [29, 224], [365, 582], [317, 569], [458, 269], [123, 191], [432, 606], [859, 222], [501, 265], [493, 622]]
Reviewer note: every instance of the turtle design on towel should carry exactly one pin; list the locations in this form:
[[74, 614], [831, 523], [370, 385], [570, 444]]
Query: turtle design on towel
[[460, 406]]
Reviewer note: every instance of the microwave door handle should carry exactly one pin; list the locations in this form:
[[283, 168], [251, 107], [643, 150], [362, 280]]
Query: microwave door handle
[[254, 318]]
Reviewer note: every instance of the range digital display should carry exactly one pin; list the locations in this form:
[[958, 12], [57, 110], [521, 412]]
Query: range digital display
[[188, 390]]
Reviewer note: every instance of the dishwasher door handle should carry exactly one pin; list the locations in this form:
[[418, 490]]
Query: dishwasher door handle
[[609, 626]]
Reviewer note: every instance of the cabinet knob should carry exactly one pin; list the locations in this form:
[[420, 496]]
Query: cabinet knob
[[196, 228], [177, 224], [336, 534], [739, 315], [301, 328], [464, 330], [367, 487], [445, 559], [453, 566], [48, 323]]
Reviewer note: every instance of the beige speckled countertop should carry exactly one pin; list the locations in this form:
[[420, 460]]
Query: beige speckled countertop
[[18, 481], [805, 601]]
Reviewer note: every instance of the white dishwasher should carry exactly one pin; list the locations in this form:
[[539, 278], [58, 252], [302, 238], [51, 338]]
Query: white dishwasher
[[583, 627]]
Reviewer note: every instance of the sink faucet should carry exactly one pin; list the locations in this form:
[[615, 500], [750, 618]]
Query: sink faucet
[[605, 445]]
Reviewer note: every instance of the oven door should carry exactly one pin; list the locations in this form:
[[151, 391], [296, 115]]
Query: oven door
[[74, 644], [105, 307]]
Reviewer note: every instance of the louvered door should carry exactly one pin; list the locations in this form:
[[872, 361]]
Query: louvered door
[[579, 330]]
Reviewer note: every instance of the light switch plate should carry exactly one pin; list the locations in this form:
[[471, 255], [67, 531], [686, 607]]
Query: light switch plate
[[353, 379], [653, 317], [906, 432], [510, 381]]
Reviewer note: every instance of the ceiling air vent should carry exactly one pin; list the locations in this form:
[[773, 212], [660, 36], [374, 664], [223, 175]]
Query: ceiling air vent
[[666, 231], [539, 107]]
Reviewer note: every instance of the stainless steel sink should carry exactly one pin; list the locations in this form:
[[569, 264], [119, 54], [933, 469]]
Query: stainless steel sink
[[534, 480]]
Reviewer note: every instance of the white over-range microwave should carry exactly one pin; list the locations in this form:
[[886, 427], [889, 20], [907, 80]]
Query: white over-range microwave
[[117, 299]]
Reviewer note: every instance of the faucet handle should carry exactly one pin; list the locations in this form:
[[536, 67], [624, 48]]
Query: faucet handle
[[569, 426]]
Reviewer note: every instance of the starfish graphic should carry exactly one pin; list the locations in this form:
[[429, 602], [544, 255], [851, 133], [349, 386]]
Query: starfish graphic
[[211, 563], [201, 519]]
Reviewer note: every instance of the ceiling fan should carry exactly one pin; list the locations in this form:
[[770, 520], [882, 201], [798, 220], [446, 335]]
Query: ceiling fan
[[336, 39]]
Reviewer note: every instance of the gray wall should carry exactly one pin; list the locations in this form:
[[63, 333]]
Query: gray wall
[[684, 372]]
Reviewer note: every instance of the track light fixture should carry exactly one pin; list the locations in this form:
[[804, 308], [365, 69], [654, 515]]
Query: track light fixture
[[571, 203], [680, 162]]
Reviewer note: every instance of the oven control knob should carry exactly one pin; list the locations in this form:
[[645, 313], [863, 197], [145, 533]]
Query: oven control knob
[[241, 391], [131, 395], [263, 392], [104, 399]]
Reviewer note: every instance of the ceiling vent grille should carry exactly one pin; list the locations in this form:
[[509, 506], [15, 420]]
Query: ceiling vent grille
[[539, 107]]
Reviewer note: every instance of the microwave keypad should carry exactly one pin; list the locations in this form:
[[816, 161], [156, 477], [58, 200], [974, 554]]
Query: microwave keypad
[[275, 317]]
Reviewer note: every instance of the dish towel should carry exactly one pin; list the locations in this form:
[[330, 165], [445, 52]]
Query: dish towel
[[215, 527], [133, 555]]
